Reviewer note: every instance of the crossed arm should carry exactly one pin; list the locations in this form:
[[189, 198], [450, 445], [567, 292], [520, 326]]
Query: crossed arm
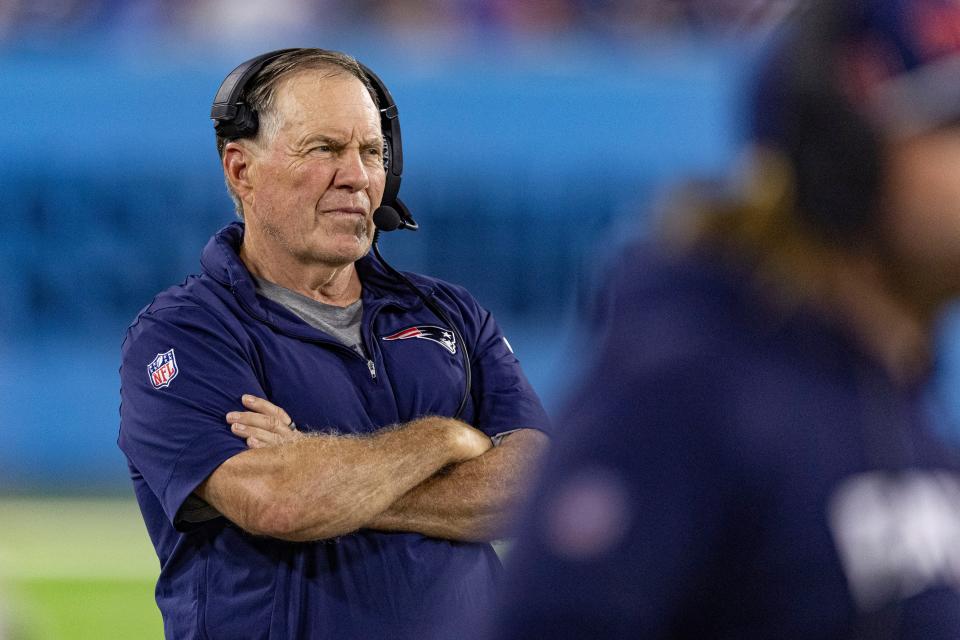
[[435, 475]]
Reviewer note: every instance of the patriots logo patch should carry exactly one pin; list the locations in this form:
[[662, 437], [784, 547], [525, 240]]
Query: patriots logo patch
[[163, 369], [444, 337]]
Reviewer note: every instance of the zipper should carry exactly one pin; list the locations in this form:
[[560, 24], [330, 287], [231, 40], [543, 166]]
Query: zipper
[[371, 365], [370, 342]]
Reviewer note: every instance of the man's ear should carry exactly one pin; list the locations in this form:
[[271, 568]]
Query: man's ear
[[237, 160]]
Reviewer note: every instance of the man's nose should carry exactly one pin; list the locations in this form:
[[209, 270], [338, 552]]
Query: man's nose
[[351, 172]]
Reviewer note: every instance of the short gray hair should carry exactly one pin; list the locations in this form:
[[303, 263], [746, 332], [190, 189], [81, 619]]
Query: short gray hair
[[261, 91]]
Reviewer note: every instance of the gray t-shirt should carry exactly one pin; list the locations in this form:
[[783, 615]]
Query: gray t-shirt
[[342, 323]]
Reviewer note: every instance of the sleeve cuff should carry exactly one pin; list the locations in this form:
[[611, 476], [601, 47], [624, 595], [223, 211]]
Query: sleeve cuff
[[498, 438]]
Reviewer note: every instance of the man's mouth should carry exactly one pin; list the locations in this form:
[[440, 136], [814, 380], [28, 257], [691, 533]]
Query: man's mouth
[[347, 211]]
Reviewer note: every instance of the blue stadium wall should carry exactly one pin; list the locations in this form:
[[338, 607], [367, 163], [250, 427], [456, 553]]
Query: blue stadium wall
[[526, 166]]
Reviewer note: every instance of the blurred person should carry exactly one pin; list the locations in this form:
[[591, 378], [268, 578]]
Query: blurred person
[[416, 18], [756, 452], [232, 20], [370, 516], [18, 17], [533, 17]]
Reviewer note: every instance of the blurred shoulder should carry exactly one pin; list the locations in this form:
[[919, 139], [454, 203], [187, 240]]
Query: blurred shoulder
[[661, 307]]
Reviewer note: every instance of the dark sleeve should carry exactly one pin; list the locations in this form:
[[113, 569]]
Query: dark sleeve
[[172, 426], [504, 399], [627, 510]]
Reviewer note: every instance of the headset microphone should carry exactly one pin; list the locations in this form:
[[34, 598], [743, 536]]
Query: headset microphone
[[387, 219], [391, 218]]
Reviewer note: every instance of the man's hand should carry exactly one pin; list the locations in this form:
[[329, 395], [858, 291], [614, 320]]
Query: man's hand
[[472, 442], [263, 425], [473, 501]]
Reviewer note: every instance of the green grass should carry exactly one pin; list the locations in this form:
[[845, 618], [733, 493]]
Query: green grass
[[76, 569], [86, 609]]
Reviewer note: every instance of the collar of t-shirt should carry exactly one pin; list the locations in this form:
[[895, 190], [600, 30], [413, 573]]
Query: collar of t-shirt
[[341, 323]]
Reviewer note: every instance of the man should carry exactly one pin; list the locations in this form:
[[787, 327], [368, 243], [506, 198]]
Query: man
[[754, 454], [376, 522]]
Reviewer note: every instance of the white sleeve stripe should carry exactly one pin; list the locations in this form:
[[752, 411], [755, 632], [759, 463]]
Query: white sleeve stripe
[[498, 438]]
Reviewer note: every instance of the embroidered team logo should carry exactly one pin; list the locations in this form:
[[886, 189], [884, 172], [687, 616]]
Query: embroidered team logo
[[444, 337], [163, 370]]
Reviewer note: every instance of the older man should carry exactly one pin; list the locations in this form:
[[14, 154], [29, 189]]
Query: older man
[[372, 518]]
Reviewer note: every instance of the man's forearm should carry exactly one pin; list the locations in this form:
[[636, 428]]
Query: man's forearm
[[323, 486], [472, 501]]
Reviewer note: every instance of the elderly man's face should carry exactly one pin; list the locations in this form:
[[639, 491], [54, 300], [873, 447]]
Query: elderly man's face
[[315, 185]]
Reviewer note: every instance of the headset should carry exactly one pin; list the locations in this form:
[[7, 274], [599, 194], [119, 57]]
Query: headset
[[836, 154], [233, 118]]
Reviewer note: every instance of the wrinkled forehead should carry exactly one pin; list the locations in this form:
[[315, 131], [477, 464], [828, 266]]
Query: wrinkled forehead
[[323, 87]]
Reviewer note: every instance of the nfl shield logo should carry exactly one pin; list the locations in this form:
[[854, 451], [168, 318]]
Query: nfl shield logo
[[163, 369]]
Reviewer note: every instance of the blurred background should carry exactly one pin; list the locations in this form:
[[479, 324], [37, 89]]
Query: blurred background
[[539, 137]]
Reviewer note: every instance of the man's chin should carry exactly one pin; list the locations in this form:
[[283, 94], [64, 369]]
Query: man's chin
[[343, 253]]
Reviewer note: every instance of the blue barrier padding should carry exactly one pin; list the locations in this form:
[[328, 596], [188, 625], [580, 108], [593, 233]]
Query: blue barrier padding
[[525, 172]]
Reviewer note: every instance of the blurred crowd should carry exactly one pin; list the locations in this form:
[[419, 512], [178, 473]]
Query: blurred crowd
[[255, 17]]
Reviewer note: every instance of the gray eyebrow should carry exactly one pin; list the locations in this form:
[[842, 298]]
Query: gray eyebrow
[[335, 142]]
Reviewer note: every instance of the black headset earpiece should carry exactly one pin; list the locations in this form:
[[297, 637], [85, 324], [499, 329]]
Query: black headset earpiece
[[233, 118]]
